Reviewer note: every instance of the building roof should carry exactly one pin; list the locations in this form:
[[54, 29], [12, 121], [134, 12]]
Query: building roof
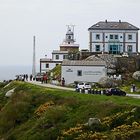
[[45, 59], [59, 52], [107, 25], [83, 63], [69, 45]]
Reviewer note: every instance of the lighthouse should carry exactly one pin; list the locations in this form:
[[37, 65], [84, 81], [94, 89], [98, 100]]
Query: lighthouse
[[69, 41]]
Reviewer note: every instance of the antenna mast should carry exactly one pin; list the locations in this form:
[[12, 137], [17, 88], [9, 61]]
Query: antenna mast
[[34, 58]]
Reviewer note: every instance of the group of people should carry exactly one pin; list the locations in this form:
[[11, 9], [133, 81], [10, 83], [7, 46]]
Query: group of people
[[44, 78], [23, 77]]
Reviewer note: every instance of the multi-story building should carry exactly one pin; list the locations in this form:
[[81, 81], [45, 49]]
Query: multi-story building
[[113, 37]]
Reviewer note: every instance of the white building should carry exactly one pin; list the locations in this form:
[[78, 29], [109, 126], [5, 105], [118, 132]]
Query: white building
[[87, 71], [47, 64], [68, 46], [113, 37]]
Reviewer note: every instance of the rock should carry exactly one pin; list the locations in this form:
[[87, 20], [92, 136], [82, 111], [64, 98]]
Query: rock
[[108, 58], [10, 92], [111, 71], [92, 121], [136, 75], [107, 82]]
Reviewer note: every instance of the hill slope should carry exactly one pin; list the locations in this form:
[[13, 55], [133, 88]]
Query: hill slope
[[38, 113]]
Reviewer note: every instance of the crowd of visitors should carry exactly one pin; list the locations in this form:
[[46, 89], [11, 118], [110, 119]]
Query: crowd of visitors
[[44, 78]]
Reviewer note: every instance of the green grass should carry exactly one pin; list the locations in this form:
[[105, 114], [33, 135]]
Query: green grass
[[19, 122], [128, 84]]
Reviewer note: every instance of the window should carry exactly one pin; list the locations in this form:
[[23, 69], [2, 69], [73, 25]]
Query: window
[[111, 36], [116, 36], [65, 56], [97, 36], [79, 73], [97, 48], [120, 36], [57, 57], [69, 37], [47, 65], [106, 37], [129, 48], [129, 37]]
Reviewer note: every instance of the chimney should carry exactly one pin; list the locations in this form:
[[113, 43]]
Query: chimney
[[106, 20], [119, 21]]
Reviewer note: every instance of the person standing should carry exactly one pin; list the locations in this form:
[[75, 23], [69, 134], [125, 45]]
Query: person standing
[[26, 77], [63, 81], [45, 78], [31, 77]]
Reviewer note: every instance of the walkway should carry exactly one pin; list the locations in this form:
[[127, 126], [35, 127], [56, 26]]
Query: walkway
[[50, 85]]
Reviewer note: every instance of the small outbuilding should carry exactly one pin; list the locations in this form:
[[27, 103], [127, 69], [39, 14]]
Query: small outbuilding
[[87, 71]]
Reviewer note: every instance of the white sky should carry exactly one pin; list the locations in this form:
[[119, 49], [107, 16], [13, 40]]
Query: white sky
[[20, 20]]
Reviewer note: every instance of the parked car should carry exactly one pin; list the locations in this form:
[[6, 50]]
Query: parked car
[[39, 76], [116, 91], [83, 85]]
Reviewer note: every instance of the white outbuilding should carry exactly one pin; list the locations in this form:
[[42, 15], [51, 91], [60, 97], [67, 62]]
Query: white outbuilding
[[86, 71]]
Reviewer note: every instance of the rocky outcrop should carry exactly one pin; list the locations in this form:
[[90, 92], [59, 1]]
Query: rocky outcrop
[[110, 60], [118, 64], [136, 75], [107, 82], [10, 92]]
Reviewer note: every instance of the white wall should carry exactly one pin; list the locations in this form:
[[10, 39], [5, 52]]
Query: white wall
[[89, 73], [133, 46], [94, 47], [60, 57], [133, 37], [51, 66], [120, 36], [94, 36]]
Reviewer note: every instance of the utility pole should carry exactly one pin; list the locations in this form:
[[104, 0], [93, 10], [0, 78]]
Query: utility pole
[[34, 58]]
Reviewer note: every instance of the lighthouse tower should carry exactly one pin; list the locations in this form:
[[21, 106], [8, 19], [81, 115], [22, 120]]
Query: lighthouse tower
[[69, 41]]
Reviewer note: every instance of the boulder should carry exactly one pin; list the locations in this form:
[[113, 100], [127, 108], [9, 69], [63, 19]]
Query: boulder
[[111, 71], [10, 92], [136, 75], [107, 82], [93, 121]]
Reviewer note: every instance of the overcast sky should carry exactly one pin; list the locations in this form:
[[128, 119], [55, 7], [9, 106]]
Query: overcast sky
[[20, 20]]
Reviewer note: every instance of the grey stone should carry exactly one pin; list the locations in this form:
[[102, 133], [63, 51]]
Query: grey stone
[[93, 121], [10, 92], [109, 82], [136, 75]]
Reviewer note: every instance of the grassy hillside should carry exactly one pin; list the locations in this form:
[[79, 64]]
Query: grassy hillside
[[38, 113]]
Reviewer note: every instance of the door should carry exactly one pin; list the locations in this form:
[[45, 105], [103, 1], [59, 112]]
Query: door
[[114, 49]]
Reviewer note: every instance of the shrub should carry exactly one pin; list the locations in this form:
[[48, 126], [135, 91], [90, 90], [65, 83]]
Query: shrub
[[42, 108]]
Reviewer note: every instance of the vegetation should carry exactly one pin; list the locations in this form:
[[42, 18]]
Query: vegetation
[[39, 113], [56, 72]]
